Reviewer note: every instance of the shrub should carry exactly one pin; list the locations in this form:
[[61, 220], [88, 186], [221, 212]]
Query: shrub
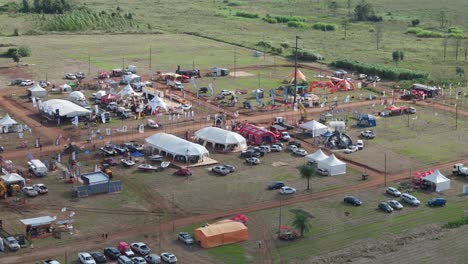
[[413, 30], [264, 44], [10, 7], [269, 20], [324, 26], [285, 45], [307, 55], [297, 24], [246, 14], [286, 19], [455, 30], [428, 34], [390, 73], [374, 18], [456, 223], [415, 22], [233, 3]]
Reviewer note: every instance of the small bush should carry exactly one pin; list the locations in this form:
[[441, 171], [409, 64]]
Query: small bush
[[324, 26], [246, 14], [296, 24], [269, 20], [264, 44], [415, 22], [413, 30], [374, 18], [233, 3], [307, 55], [286, 19], [455, 30], [285, 45], [456, 223], [10, 7], [428, 34]]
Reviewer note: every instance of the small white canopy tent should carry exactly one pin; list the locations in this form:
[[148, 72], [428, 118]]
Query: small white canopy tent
[[127, 90], [314, 127], [333, 165], [7, 124], [316, 156], [65, 88], [157, 102], [440, 182], [215, 135], [176, 146], [37, 91], [78, 98], [13, 178]]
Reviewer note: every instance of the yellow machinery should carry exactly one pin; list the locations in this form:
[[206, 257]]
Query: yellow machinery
[[107, 170], [3, 190], [303, 111], [14, 189]]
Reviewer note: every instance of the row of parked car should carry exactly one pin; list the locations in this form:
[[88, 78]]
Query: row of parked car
[[36, 189], [252, 154], [391, 205]]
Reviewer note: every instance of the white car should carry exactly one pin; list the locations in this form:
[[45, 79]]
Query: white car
[[40, 188], [351, 149], [169, 257], [226, 92], [51, 261], [27, 83], [360, 144], [393, 191], [140, 248], [285, 136], [300, 152], [287, 190], [252, 161], [292, 148], [139, 260], [265, 148], [276, 148], [408, 198], [395, 204], [411, 110], [11, 243], [221, 170], [85, 258], [153, 259], [185, 107], [29, 191], [70, 76]]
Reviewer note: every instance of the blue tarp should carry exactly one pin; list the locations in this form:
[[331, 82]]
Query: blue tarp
[[137, 154], [327, 134]]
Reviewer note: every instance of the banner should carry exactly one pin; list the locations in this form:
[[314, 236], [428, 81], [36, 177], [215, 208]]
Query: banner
[[108, 132], [141, 128], [34, 102], [96, 109], [286, 95], [39, 103], [272, 95], [194, 82], [257, 97], [73, 156], [59, 158], [210, 86], [103, 118]]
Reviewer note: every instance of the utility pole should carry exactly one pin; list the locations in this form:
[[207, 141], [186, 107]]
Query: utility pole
[[235, 63], [89, 64], [385, 165], [279, 219], [123, 62], [295, 72], [149, 66], [456, 116]]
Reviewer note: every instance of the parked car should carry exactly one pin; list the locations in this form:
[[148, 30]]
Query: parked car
[[300, 152], [111, 161], [252, 161], [11, 243], [44, 84], [230, 167], [186, 238], [287, 190], [70, 76], [16, 82], [124, 260], [112, 106], [29, 191], [153, 259], [351, 149], [360, 144], [139, 260], [393, 191], [352, 200], [27, 83], [437, 202], [408, 198], [275, 185], [99, 257], [85, 258], [169, 257], [121, 149], [184, 172], [369, 134], [323, 172], [250, 153], [395, 204], [295, 143], [40, 188], [385, 207], [51, 261], [371, 97], [264, 148], [80, 75], [112, 252], [292, 148], [221, 170], [411, 110], [140, 247], [226, 92], [276, 148], [285, 136]]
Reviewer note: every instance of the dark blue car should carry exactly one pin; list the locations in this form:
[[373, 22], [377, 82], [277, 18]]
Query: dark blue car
[[352, 200], [437, 202], [275, 185]]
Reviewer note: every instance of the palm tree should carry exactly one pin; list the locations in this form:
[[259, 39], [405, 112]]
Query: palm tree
[[301, 222], [307, 172]]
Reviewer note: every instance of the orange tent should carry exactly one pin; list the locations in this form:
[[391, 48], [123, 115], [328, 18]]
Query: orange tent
[[300, 76], [221, 233]]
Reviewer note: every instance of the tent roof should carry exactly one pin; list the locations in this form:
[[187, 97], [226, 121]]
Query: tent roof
[[7, 121], [76, 95], [157, 102], [220, 136], [12, 177], [252, 129], [300, 76], [65, 86], [37, 221], [222, 227], [66, 108], [36, 88], [127, 90], [312, 125], [317, 155], [332, 161], [175, 145], [436, 177]]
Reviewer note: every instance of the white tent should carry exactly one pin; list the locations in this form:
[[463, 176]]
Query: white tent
[[440, 182], [333, 165], [157, 102], [65, 88], [13, 178], [66, 108], [215, 135], [6, 123], [314, 127], [176, 146], [127, 90], [316, 156], [37, 91], [100, 94], [78, 98]]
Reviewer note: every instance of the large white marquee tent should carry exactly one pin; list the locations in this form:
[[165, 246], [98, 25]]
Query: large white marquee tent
[[176, 146], [315, 128], [214, 135], [440, 182], [66, 108], [333, 165]]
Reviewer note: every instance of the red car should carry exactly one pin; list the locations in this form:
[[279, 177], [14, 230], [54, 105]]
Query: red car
[[184, 172], [111, 161]]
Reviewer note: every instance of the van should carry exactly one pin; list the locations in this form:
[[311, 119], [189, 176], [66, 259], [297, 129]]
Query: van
[[360, 144], [124, 260], [37, 168], [408, 198]]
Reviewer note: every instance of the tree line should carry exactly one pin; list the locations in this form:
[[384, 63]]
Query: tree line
[[46, 6]]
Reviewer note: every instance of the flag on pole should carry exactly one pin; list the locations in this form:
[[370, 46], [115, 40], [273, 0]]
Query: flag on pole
[[257, 97], [286, 95], [59, 158], [141, 128], [272, 95], [73, 156], [103, 118]]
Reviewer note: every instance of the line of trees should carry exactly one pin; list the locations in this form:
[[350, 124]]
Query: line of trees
[[46, 6]]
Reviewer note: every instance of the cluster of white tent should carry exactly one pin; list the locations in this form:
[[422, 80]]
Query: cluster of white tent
[[214, 135], [175, 146], [333, 165]]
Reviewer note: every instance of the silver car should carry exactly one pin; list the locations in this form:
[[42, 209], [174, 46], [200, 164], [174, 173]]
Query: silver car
[[140, 247], [395, 204], [153, 259], [221, 170], [29, 191]]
